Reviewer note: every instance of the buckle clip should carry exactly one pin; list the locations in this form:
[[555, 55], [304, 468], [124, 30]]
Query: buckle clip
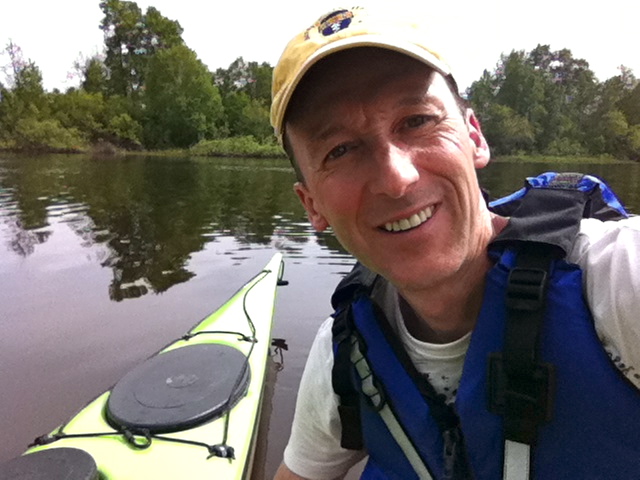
[[525, 288], [525, 401]]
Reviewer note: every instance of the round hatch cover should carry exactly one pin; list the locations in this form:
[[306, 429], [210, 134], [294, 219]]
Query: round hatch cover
[[180, 389], [59, 463]]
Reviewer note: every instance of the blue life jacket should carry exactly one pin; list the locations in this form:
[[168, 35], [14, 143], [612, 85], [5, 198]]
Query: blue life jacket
[[535, 372]]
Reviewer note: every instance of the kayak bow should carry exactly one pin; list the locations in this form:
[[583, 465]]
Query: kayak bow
[[190, 411]]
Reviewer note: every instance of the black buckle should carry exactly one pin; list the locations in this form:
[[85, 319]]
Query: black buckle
[[525, 288], [526, 401]]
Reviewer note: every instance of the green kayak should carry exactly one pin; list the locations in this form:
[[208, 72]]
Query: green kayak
[[189, 412]]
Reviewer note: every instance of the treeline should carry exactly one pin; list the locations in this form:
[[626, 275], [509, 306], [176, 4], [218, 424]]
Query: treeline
[[549, 102], [147, 90]]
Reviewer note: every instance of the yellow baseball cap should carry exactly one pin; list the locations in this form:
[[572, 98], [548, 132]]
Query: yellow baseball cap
[[338, 30]]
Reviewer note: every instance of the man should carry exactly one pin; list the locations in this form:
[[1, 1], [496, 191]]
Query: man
[[385, 152]]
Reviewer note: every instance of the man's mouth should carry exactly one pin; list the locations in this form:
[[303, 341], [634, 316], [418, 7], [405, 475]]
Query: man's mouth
[[413, 221]]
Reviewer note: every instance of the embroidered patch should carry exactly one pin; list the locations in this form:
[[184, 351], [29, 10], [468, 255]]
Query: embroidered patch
[[334, 22]]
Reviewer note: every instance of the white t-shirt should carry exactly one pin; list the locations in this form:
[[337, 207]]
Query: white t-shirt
[[609, 255]]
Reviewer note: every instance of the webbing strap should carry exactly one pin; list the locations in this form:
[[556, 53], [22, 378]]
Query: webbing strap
[[520, 387], [517, 460], [349, 408], [360, 279], [377, 399]]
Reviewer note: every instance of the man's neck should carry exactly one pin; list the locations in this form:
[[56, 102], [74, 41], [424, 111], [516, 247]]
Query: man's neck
[[444, 314], [447, 311]]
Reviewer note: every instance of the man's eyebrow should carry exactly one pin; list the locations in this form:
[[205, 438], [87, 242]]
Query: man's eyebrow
[[321, 133], [416, 100]]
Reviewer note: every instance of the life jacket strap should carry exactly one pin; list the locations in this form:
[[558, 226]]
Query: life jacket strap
[[375, 396], [349, 407], [521, 387]]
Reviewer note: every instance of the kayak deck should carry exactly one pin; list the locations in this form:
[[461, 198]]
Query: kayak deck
[[219, 448]]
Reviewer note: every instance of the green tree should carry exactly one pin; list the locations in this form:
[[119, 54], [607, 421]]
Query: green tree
[[25, 110], [131, 38], [556, 93], [25, 95], [126, 130], [182, 104], [615, 129], [252, 78], [94, 76], [47, 134], [245, 115], [246, 95], [80, 110], [482, 94], [97, 119], [630, 104], [633, 138], [521, 87], [607, 127], [507, 132]]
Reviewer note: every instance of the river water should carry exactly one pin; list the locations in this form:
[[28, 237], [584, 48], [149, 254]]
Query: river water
[[103, 261]]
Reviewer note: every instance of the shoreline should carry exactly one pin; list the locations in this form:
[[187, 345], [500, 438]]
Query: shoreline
[[274, 152]]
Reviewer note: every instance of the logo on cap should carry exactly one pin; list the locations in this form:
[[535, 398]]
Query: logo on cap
[[334, 22]]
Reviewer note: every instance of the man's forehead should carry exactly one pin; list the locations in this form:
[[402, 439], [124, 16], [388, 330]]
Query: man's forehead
[[357, 74], [359, 62]]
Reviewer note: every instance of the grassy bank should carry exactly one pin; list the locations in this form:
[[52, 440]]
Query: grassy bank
[[246, 146], [555, 159], [237, 147]]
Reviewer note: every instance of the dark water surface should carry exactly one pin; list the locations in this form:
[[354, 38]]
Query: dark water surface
[[104, 261]]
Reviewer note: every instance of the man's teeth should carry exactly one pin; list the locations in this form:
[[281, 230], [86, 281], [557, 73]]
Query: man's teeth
[[411, 222]]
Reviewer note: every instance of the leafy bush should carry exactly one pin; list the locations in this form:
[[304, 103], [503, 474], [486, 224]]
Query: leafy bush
[[47, 135], [125, 127], [565, 146], [507, 132], [245, 146], [633, 138]]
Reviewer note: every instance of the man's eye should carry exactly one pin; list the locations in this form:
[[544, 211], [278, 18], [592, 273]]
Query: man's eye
[[417, 121], [337, 152]]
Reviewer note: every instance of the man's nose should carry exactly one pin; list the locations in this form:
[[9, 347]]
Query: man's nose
[[394, 173]]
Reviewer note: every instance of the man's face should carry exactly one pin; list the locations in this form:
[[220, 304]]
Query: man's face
[[389, 163]]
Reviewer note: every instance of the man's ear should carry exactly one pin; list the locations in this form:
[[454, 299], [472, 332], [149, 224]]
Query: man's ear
[[481, 155], [315, 217]]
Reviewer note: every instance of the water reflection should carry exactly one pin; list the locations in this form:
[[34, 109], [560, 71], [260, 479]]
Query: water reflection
[[151, 214]]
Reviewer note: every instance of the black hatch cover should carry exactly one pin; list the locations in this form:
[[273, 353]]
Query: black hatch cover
[[179, 389], [55, 463]]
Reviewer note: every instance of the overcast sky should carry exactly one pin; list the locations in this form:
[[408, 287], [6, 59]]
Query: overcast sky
[[55, 33]]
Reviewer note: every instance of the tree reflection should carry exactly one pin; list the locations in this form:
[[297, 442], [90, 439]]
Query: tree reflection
[[23, 241], [151, 214]]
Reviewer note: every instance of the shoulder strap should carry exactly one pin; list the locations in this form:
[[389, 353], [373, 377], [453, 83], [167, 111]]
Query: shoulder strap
[[359, 281], [520, 386], [342, 381]]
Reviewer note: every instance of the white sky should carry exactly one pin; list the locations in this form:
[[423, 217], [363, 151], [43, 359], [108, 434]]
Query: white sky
[[54, 33]]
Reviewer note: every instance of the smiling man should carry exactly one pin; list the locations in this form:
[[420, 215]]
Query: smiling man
[[386, 153]]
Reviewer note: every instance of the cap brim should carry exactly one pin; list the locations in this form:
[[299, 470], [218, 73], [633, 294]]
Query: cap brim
[[386, 42]]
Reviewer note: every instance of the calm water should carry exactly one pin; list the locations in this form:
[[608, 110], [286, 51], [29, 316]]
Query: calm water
[[104, 261]]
